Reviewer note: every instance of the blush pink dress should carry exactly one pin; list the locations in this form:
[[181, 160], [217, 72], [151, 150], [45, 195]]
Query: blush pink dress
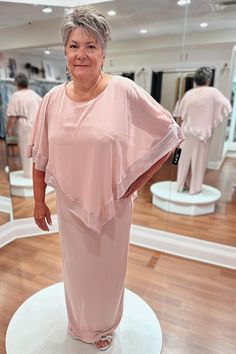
[[24, 105], [92, 152], [201, 109]]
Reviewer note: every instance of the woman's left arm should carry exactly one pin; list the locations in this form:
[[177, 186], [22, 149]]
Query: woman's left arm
[[146, 176]]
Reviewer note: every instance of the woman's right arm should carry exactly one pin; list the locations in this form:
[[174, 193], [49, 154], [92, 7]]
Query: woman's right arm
[[42, 214]]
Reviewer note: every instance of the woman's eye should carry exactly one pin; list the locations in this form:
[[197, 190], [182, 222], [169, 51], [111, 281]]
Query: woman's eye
[[91, 46], [73, 46]]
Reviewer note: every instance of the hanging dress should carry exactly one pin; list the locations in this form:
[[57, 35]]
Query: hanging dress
[[91, 153]]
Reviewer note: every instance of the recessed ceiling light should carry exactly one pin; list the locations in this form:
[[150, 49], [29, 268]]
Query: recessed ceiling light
[[111, 13], [183, 2], [68, 10], [47, 10], [143, 30], [47, 52], [203, 24]]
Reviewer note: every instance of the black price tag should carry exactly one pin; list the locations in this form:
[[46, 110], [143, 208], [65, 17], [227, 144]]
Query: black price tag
[[176, 156]]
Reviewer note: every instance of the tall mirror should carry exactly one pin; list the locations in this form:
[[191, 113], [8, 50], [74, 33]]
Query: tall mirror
[[209, 41]]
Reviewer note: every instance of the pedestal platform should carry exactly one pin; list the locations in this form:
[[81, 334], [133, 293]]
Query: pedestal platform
[[166, 197], [22, 186], [39, 326]]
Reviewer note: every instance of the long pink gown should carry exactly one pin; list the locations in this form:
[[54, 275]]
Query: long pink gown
[[92, 152], [24, 105], [201, 109]]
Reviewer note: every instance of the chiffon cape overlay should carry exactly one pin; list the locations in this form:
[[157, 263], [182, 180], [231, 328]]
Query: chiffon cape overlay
[[93, 151], [202, 109]]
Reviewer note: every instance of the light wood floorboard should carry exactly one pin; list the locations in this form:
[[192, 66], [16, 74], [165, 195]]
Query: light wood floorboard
[[195, 302]]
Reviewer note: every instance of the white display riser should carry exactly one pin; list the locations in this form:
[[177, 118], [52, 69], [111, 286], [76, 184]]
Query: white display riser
[[39, 326], [166, 197]]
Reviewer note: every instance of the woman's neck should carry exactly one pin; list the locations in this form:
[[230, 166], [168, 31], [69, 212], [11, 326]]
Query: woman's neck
[[86, 88]]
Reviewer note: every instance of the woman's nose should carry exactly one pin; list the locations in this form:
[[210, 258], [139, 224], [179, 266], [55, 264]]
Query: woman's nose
[[81, 53]]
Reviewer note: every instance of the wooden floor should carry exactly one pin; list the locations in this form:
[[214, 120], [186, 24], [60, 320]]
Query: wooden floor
[[195, 302]]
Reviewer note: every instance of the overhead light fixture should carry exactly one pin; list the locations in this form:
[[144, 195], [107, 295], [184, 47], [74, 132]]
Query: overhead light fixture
[[111, 13], [68, 10], [143, 30], [183, 2], [203, 24], [47, 10], [47, 52]]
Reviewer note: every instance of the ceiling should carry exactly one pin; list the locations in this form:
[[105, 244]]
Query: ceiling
[[159, 17]]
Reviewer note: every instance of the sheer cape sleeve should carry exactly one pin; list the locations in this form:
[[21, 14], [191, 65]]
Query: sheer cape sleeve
[[37, 146], [152, 134]]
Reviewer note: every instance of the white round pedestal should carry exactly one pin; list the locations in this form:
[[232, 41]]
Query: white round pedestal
[[166, 197], [22, 186], [39, 326]]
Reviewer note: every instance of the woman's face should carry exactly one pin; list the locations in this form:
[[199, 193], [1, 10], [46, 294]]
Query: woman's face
[[84, 54]]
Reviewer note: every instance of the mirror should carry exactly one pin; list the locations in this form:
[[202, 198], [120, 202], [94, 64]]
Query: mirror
[[6, 212], [20, 186], [203, 48], [169, 53]]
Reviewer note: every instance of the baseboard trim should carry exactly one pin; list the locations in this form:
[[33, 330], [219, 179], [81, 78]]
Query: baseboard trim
[[183, 246], [178, 245], [24, 227]]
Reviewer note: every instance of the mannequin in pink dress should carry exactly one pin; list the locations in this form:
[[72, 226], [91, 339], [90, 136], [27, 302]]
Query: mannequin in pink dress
[[96, 140]]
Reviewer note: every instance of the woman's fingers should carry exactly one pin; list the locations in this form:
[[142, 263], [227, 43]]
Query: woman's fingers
[[40, 221], [42, 216], [48, 217]]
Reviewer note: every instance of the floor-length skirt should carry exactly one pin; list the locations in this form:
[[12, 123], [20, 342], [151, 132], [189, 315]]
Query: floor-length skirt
[[192, 164], [94, 267]]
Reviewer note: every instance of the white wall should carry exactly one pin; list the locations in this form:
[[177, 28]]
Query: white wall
[[59, 66]]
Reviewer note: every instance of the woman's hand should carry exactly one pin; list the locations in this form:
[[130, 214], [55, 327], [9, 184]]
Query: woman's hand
[[42, 216]]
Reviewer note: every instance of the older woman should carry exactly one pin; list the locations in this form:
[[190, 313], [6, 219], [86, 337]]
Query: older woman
[[96, 140], [22, 110], [201, 109]]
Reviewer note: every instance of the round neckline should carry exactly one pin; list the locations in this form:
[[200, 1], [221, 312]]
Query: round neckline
[[81, 103]]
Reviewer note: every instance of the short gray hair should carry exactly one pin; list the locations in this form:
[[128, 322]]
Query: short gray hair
[[203, 75], [21, 80], [89, 19]]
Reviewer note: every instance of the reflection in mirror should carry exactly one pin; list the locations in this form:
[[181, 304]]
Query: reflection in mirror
[[204, 47], [6, 213], [20, 180]]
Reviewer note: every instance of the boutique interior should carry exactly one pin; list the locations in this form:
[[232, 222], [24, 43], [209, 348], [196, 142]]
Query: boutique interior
[[182, 256]]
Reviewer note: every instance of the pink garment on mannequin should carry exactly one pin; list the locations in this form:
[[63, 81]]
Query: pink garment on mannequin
[[24, 105]]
